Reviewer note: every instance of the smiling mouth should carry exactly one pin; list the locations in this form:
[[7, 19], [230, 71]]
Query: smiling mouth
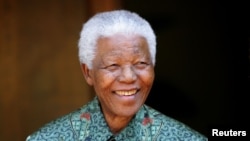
[[126, 93]]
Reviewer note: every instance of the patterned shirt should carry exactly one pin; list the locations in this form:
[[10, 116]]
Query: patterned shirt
[[88, 124]]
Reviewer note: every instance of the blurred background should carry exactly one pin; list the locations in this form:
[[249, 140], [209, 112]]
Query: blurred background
[[201, 67]]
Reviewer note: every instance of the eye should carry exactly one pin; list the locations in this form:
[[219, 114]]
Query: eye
[[112, 67], [141, 65]]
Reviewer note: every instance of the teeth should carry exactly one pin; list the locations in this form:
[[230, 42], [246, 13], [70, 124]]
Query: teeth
[[126, 93]]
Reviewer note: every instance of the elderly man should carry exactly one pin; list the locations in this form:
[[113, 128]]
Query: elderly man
[[117, 54]]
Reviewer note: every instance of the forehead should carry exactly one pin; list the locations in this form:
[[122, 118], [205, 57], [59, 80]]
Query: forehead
[[120, 43]]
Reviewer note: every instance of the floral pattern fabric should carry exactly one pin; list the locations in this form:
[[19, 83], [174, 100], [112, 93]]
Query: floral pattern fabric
[[88, 124]]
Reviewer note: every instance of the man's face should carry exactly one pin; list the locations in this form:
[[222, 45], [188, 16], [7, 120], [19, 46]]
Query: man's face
[[122, 74]]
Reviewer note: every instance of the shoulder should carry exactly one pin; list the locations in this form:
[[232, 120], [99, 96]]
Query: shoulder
[[62, 128], [171, 129], [53, 130]]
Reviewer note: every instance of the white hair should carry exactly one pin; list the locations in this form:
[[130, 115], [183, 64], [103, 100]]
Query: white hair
[[106, 24]]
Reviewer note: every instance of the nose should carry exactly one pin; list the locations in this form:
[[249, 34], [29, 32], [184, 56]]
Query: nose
[[127, 75]]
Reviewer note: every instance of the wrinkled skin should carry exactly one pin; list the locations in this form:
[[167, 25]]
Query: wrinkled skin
[[122, 76]]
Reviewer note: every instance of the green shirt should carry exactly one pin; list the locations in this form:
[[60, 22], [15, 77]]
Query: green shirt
[[88, 124]]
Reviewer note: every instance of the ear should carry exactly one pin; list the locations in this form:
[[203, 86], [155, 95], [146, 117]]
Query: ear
[[86, 74]]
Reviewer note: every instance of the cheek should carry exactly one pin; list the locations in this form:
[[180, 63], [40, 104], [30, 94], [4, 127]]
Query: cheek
[[104, 80], [147, 77]]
